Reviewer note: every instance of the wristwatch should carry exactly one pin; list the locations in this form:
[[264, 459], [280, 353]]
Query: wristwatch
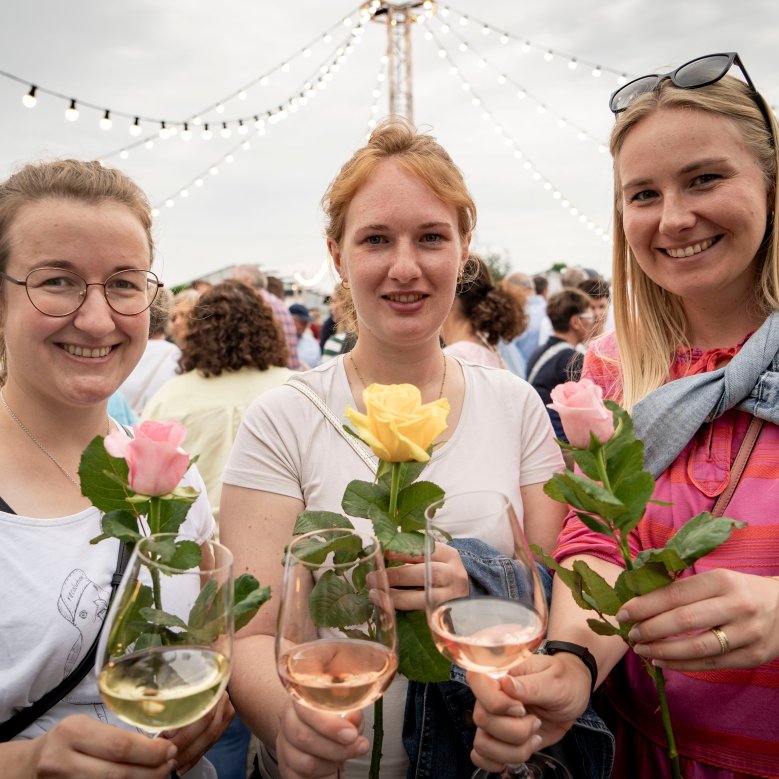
[[584, 654]]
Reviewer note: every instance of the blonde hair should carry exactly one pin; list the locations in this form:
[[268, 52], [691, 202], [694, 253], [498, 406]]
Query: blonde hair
[[420, 154], [646, 314]]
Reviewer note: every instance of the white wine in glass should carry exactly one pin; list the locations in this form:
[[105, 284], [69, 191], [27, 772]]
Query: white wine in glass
[[165, 653], [336, 645], [485, 633]]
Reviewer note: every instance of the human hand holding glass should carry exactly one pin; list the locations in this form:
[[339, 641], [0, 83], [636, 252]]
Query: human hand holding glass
[[336, 646], [165, 653], [488, 633]]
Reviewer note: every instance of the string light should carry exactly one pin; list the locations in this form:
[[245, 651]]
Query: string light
[[135, 127], [29, 100], [106, 123], [71, 112]]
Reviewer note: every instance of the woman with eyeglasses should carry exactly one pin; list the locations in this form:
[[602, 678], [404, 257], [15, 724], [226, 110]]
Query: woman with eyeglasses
[[75, 291], [695, 359]]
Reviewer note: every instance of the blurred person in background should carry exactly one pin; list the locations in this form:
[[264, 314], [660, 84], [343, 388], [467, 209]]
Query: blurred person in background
[[233, 352], [558, 360], [181, 312], [599, 293], [481, 316], [535, 307], [160, 358], [308, 347], [343, 335], [252, 276]]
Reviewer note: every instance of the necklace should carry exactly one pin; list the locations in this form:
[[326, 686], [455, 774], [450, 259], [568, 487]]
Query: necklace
[[365, 384], [37, 443]]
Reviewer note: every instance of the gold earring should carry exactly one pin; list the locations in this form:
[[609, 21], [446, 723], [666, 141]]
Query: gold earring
[[344, 283]]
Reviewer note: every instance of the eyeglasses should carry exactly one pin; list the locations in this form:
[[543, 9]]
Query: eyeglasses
[[58, 292], [587, 317], [700, 72]]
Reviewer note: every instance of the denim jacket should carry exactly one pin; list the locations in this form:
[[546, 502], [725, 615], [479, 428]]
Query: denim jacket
[[438, 727]]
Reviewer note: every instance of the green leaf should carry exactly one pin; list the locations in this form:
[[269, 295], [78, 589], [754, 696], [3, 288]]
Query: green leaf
[[640, 581], [603, 628], [420, 661], [162, 618], [103, 491], [147, 641], [582, 493], [407, 543], [248, 597], [383, 527], [588, 463], [702, 534], [121, 524], [308, 521], [171, 514], [596, 524], [362, 496], [667, 557], [596, 590], [409, 473], [634, 491], [571, 579], [314, 550], [413, 502], [128, 624], [334, 603], [187, 555]]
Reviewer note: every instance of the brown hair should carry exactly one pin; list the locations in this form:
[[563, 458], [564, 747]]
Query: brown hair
[[492, 311], [562, 306], [650, 321], [231, 328], [420, 154]]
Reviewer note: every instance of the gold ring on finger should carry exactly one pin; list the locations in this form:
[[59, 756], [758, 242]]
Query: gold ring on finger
[[724, 644]]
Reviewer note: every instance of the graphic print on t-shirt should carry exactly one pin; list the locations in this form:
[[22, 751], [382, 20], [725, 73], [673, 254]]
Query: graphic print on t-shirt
[[84, 605]]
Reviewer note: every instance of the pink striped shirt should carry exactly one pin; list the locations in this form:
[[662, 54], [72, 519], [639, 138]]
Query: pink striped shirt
[[726, 723]]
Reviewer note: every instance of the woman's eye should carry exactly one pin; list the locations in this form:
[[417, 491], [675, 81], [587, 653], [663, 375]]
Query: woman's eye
[[374, 240], [642, 196], [432, 238], [706, 178]]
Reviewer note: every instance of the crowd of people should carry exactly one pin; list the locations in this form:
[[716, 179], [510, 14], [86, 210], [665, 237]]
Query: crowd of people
[[685, 336]]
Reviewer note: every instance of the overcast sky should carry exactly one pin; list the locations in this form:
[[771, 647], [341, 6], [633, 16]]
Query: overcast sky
[[173, 59]]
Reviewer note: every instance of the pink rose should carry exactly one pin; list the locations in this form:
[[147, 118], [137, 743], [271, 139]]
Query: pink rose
[[581, 410], [153, 456]]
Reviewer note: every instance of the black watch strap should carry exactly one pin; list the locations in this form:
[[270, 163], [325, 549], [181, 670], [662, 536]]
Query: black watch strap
[[584, 654]]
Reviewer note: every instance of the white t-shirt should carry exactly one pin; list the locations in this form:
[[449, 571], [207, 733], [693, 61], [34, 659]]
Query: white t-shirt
[[56, 589], [158, 364], [285, 446]]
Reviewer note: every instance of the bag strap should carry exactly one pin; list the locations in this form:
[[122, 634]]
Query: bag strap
[[25, 717], [742, 457], [549, 354], [301, 386]]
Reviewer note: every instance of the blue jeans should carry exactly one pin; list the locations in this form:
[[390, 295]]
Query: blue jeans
[[229, 753]]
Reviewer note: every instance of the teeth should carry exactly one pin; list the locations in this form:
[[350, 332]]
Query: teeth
[[82, 351], [690, 250], [406, 298]]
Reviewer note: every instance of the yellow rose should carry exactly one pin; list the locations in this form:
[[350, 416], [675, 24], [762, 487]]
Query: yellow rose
[[397, 427]]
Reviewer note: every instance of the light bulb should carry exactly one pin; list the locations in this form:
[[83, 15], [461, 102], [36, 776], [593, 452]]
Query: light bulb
[[220, 109], [71, 112], [135, 127], [29, 100], [242, 95], [242, 128], [124, 154], [105, 122], [225, 132], [186, 133], [206, 133]]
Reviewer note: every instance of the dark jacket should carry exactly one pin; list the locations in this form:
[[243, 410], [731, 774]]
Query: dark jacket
[[438, 727]]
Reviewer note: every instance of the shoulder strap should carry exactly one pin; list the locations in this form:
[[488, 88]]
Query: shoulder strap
[[25, 717], [549, 354], [333, 420], [742, 457]]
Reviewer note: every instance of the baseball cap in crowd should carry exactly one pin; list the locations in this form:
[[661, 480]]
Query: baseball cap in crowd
[[300, 311]]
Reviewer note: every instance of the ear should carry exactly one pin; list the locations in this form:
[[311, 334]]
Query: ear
[[335, 256], [466, 250]]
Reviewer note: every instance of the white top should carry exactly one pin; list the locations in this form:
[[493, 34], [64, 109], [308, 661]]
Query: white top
[[503, 440], [478, 354], [159, 362], [57, 588]]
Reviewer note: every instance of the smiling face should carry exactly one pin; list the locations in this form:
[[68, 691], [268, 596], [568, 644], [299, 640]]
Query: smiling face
[[401, 254], [694, 205], [82, 358]]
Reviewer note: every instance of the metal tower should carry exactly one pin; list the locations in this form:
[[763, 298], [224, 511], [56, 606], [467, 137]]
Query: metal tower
[[399, 17]]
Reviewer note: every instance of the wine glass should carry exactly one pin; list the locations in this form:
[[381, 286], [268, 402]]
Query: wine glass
[[487, 633], [336, 645], [165, 651]]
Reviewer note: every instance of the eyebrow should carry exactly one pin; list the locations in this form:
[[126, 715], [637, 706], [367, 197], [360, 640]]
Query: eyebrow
[[71, 266], [425, 226], [687, 169]]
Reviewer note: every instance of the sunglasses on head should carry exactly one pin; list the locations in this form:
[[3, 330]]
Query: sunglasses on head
[[700, 72]]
